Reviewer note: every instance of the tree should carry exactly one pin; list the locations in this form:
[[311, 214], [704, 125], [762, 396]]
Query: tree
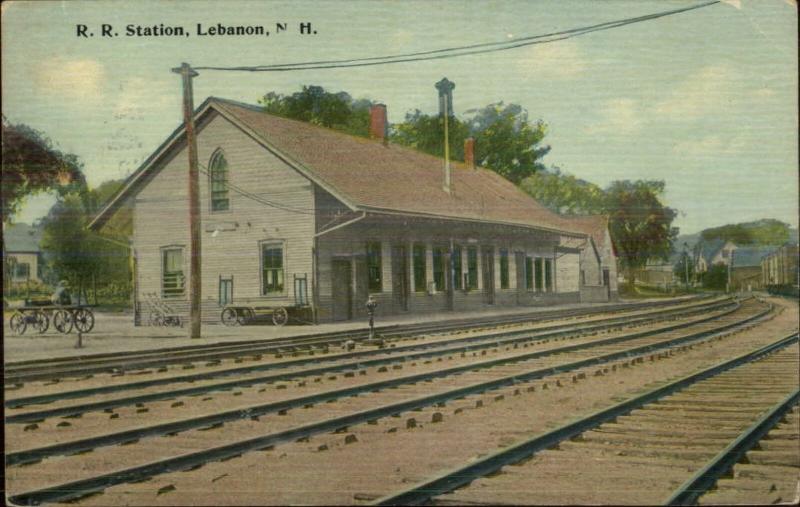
[[84, 257], [505, 140], [716, 277], [564, 193], [425, 133], [767, 231], [640, 225], [31, 164], [313, 104]]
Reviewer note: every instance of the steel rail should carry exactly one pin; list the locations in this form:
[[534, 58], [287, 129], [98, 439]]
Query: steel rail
[[35, 416], [529, 316], [82, 365], [45, 370], [423, 492], [704, 479], [487, 340], [37, 454], [84, 487]]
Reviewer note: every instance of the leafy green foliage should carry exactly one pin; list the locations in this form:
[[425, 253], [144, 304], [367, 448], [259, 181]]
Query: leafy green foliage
[[639, 223], [767, 231], [315, 105], [564, 193], [83, 257], [31, 164], [425, 133], [505, 140], [716, 277]]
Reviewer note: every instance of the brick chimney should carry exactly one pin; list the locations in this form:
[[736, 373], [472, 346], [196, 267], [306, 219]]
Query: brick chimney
[[469, 152], [378, 125]]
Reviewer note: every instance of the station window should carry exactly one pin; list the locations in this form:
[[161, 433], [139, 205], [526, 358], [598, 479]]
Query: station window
[[529, 273], [472, 267], [438, 268], [218, 179], [22, 270], [419, 267], [374, 267], [503, 269], [173, 283], [457, 268], [225, 291], [272, 269], [538, 267], [548, 275]]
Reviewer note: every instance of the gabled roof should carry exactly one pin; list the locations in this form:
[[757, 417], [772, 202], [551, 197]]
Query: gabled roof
[[371, 176], [749, 256], [708, 249], [593, 225], [22, 238]]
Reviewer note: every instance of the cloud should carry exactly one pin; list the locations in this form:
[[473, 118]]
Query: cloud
[[618, 116], [559, 60], [711, 146], [701, 94], [81, 80], [137, 96]]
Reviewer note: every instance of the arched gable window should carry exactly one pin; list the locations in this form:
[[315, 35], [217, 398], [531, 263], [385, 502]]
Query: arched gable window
[[218, 175]]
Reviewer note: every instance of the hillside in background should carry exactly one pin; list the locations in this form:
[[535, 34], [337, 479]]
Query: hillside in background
[[764, 232]]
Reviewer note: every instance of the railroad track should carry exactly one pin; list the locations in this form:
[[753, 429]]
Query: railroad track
[[771, 469], [377, 357], [25, 371], [640, 450], [438, 386]]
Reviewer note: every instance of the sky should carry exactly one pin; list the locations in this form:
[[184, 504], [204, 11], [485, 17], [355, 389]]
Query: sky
[[705, 100]]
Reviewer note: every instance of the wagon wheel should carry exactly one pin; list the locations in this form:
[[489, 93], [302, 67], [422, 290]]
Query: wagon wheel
[[280, 316], [229, 317], [42, 322], [247, 315], [17, 323], [83, 319], [62, 321]]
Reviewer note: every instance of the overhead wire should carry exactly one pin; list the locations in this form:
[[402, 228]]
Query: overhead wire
[[285, 207], [452, 52]]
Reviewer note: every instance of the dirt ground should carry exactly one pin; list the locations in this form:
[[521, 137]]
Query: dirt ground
[[394, 453], [115, 332]]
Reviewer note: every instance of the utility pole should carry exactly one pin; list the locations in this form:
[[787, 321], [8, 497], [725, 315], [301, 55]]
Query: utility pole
[[730, 268], [187, 73], [686, 264]]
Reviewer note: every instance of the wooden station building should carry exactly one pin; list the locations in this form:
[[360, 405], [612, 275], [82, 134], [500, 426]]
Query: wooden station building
[[299, 215]]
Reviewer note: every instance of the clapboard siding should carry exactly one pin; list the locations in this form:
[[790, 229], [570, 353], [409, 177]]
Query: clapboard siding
[[567, 272], [230, 239], [315, 229]]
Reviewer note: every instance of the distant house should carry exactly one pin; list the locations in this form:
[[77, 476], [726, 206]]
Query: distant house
[[715, 251], [745, 267], [298, 215], [22, 252], [657, 272]]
